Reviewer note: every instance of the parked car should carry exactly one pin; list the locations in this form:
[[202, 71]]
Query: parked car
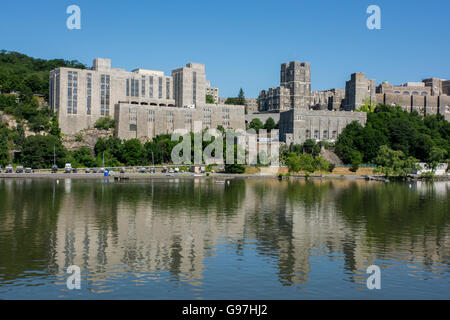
[[19, 169], [54, 168], [9, 169], [142, 170], [94, 170], [28, 170], [122, 170], [88, 170], [171, 170], [164, 170], [68, 168], [74, 170], [0, 169], [102, 170], [152, 170]]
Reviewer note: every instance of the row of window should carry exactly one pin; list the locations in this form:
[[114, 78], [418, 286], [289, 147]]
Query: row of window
[[325, 134], [72, 92], [132, 87]]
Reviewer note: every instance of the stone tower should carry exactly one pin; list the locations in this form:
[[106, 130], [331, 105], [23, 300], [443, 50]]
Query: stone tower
[[296, 76]]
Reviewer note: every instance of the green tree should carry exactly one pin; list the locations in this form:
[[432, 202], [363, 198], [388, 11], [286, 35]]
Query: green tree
[[132, 152], [37, 152], [270, 124], [210, 99], [356, 160], [256, 125], [394, 162], [437, 155], [105, 123]]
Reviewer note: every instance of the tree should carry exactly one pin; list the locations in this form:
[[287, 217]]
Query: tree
[[105, 123], [311, 147], [210, 99], [437, 155], [241, 98], [37, 152], [256, 125], [132, 152], [394, 162], [269, 124], [356, 160]]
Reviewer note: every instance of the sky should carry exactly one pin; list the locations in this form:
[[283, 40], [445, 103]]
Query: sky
[[242, 43]]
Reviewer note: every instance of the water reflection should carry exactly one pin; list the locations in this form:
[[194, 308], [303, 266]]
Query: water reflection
[[172, 230]]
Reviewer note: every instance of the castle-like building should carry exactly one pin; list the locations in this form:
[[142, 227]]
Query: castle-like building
[[146, 102]]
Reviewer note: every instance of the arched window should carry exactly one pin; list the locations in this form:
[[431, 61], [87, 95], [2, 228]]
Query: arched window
[[406, 93], [424, 93], [397, 92], [415, 93]]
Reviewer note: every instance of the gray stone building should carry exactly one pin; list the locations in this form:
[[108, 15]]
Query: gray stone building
[[214, 92], [427, 97], [82, 96], [137, 121], [358, 90], [297, 125]]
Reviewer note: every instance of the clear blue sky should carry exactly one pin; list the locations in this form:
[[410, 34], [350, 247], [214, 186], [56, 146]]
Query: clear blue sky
[[241, 42]]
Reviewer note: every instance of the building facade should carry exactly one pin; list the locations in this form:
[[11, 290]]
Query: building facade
[[297, 126], [137, 121], [358, 90]]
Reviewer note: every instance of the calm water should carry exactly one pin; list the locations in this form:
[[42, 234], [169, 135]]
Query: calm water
[[246, 239]]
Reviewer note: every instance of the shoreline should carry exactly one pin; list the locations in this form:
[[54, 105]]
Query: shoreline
[[215, 176]]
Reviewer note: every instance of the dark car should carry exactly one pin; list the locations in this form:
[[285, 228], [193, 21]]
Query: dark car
[[122, 170], [28, 170], [54, 168], [94, 170], [74, 170], [88, 170], [9, 169], [19, 169]]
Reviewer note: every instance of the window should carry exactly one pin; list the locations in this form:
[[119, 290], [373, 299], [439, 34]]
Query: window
[[104, 95], [167, 88], [159, 88], [316, 134], [325, 134], [406, 93], [72, 92], [415, 93], [133, 127], [424, 93], [308, 134], [128, 87], [143, 86], [334, 134], [89, 93], [151, 87], [194, 88], [136, 88]]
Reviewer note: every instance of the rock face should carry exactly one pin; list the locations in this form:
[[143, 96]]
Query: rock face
[[330, 156], [86, 138]]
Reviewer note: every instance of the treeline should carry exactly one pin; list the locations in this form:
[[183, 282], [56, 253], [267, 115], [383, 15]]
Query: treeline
[[27, 75], [426, 139], [306, 157]]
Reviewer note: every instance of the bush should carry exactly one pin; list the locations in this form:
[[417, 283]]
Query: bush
[[105, 123]]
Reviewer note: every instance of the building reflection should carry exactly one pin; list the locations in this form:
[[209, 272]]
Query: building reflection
[[154, 227]]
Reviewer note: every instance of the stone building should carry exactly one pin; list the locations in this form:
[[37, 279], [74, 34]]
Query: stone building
[[137, 121], [296, 125], [252, 105], [327, 100], [358, 90], [190, 85], [427, 97], [82, 96], [214, 92]]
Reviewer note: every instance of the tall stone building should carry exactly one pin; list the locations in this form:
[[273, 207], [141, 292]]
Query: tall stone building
[[190, 85], [294, 91], [358, 90], [82, 96]]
